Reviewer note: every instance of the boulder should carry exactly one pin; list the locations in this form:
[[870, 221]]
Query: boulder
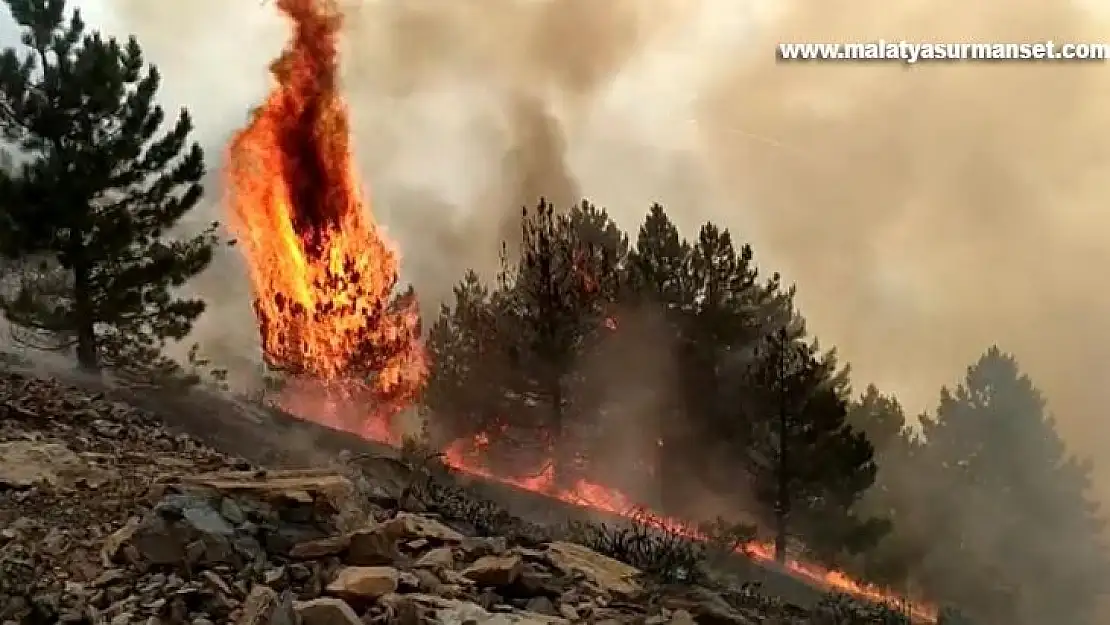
[[326, 611], [609, 575], [496, 571], [361, 583]]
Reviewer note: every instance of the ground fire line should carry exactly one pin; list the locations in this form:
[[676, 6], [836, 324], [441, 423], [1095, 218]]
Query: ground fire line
[[324, 276]]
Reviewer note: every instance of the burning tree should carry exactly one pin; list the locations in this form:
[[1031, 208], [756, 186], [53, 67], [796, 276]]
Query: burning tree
[[100, 183], [323, 274], [510, 355], [555, 310]]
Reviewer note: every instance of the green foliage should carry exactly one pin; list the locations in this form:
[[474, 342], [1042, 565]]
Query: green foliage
[[100, 185], [467, 353], [503, 360], [807, 463], [895, 494], [1009, 507], [856, 487]]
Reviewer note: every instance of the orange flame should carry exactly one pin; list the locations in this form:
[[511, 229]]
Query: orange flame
[[324, 277]]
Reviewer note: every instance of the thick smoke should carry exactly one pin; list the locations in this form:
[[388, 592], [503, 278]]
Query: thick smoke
[[925, 212]]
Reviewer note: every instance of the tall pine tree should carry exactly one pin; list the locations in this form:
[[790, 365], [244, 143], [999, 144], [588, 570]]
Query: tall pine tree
[[1020, 541], [659, 298], [101, 182], [808, 466], [555, 305]]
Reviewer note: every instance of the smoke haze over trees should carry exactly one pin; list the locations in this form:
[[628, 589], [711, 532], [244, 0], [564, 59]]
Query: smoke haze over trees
[[979, 503]]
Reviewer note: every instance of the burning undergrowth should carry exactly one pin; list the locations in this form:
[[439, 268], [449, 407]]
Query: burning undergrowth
[[333, 322], [669, 560]]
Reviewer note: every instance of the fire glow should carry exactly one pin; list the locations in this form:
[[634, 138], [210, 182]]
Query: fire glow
[[324, 276]]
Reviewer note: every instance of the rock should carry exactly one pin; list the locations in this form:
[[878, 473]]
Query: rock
[[607, 574], [568, 612], [364, 582], [496, 571], [185, 529], [476, 547], [440, 557], [372, 547], [706, 607], [682, 617], [259, 607], [456, 612], [24, 464], [326, 611], [114, 543], [541, 605], [321, 547], [408, 526]]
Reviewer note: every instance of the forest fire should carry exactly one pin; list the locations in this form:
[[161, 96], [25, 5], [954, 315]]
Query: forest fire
[[322, 273], [324, 276]]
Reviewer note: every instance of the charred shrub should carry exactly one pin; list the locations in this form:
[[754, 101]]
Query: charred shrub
[[645, 544], [841, 609], [484, 517], [723, 539]]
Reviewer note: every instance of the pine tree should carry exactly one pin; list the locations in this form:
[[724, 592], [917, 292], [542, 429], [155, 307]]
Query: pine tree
[[730, 310], [809, 467], [556, 307], [658, 292], [658, 265], [895, 495], [1017, 513], [464, 390], [99, 186]]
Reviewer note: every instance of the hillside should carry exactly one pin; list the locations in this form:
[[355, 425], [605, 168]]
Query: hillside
[[114, 514]]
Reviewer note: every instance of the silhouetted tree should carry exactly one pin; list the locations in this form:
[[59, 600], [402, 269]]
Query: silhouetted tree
[[556, 304], [1021, 542], [658, 294], [809, 467], [658, 265], [464, 391], [895, 495], [730, 309], [98, 187]]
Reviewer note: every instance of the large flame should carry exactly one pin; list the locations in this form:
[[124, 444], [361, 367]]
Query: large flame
[[324, 277]]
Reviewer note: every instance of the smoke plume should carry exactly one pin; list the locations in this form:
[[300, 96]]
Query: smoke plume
[[925, 211]]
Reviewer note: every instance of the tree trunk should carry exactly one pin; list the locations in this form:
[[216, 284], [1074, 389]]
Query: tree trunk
[[562, 473], [782, 500], [87, 357]]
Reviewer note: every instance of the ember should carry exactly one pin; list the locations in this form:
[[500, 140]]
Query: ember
[[324, 277]]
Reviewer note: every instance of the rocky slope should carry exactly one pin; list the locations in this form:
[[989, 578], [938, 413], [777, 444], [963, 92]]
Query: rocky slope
[[108, 516]]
